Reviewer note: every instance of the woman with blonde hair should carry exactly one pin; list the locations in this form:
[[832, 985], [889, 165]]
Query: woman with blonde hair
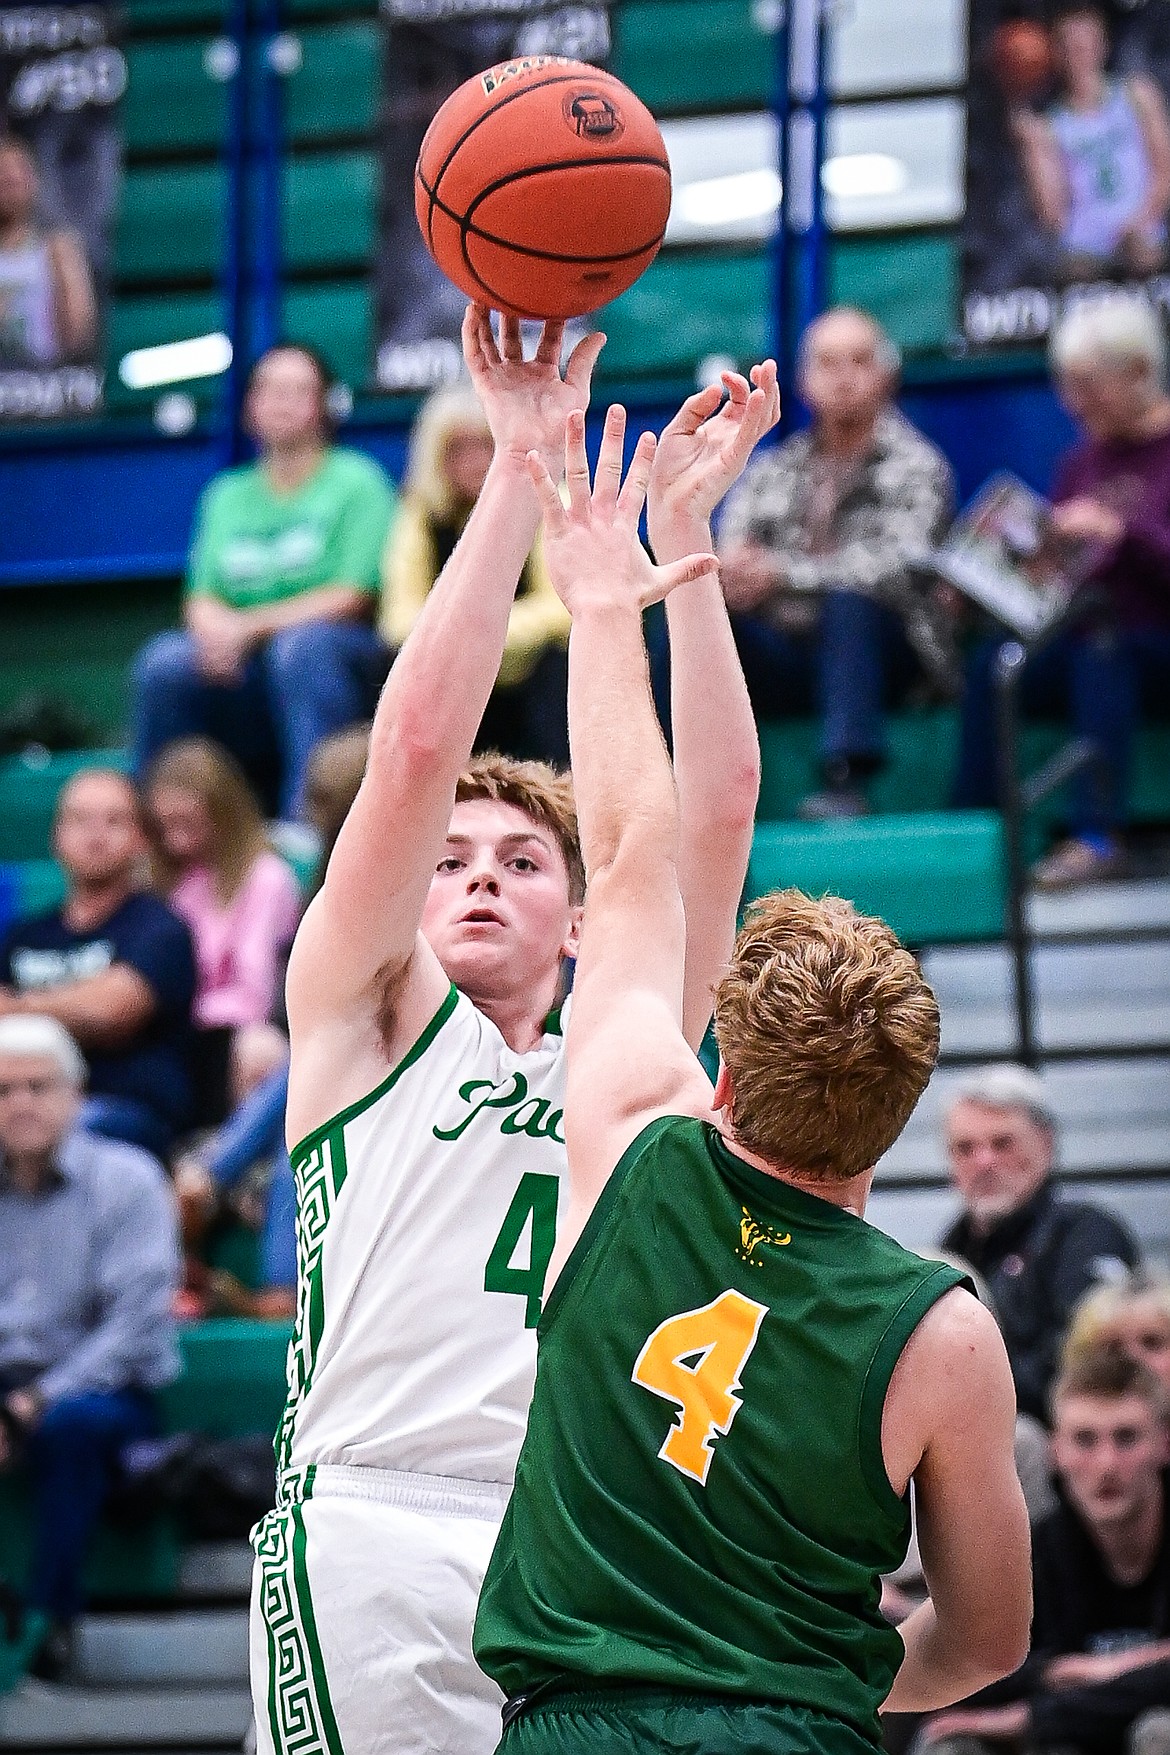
[[241, 902], [1132, 1316], [450, 449]]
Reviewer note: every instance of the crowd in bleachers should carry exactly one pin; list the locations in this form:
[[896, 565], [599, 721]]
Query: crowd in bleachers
[[141, 1023]]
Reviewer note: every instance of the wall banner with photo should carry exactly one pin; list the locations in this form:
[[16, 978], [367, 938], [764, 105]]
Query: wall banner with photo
[[429, 48], [62, 74], [1068, 163]]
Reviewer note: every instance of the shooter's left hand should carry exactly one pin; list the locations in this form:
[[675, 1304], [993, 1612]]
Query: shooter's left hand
[[703, 451]]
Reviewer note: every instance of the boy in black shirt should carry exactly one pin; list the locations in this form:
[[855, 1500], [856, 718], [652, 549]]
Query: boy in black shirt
[[1097, 1681]]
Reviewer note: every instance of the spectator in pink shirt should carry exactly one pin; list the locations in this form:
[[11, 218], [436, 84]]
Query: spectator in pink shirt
[[241, 903]]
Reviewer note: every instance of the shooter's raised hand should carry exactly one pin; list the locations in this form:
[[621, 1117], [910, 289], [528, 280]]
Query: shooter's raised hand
[[591, 546], [527, 401], [702, 453]]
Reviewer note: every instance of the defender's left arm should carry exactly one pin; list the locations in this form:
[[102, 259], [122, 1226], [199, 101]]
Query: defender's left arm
[[716, 751]]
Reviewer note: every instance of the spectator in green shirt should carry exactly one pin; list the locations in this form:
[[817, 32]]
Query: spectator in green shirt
[[278, 646]]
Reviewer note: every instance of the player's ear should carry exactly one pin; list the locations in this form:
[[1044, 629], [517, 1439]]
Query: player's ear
[[572, 941], [724, 1091]]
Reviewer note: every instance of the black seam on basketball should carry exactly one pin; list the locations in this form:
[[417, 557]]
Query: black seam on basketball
[[465, 224], [511, 98]]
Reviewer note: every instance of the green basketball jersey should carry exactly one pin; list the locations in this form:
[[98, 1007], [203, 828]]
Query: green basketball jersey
[[701, 1501]]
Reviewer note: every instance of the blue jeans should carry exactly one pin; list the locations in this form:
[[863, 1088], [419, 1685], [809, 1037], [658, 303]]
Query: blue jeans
[[1101, 680], [846, 669], [256, 1130], [72, 1456], [298, 687]]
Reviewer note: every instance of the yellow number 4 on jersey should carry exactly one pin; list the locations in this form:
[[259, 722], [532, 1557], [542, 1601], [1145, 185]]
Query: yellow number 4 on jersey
[[695, 1360]]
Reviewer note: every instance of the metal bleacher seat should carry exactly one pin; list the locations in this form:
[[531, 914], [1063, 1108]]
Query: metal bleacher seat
[[328, 210], [335, 91], [170, 99], [336, 316]]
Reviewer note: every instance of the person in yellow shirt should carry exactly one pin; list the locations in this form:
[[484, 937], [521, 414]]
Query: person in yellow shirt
[[450, 450]]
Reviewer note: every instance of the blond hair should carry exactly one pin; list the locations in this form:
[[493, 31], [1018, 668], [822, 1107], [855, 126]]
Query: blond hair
[[829, 1034], [197, 765], [540, 792], [1102, 1305], [446, 412]]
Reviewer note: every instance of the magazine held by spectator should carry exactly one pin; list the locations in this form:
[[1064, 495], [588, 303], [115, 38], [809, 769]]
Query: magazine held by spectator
[[1005, 553]]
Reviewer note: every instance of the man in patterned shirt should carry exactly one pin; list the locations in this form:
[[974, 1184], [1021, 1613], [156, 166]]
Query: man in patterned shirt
[[817, 546]]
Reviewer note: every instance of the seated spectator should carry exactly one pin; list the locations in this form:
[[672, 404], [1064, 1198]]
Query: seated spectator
[[278, 648], [254, 1134], [450, 450], [1038, 1252], [88, 1271], [818, 544], [1097, 1681], [48, 312], [1132, 1316], [1097, 163], [114, 966], [1113, 491], [242, 903]]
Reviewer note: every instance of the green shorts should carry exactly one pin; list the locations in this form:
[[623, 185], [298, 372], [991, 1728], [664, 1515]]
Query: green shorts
[[614, 1722]]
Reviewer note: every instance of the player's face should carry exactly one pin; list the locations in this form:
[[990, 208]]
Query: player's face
[[182, 823], [1108, 401], [284, 402], [498, 915], [841, 377], [97, 835], [1141, 1329], [1081, 45], [999, 1158], [1108, 1451], [37, 1104]]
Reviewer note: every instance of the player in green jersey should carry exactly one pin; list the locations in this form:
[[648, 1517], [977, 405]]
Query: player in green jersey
[[738, 1378]]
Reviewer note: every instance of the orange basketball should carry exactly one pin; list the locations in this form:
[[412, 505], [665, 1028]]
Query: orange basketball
[[542, 187]]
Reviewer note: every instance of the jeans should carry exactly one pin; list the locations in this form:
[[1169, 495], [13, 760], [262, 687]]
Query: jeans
[[125, 1118], [1101, 680], [846, 669], [256, 1130], [530, 719], [72, 1455], [302, 684]]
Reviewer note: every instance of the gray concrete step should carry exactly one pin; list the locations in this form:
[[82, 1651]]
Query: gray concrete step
[[39, 1716], [164, 1649], [1109, 908], [1089, 996]]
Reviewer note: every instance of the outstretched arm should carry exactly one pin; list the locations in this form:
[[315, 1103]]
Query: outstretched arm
[[716, 751], [627, 1057], [362, 981]]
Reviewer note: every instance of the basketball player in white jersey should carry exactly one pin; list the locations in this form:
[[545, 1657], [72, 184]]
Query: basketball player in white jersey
[[426, 1093]]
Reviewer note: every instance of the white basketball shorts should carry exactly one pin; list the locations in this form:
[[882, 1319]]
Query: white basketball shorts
[[363, 1600]]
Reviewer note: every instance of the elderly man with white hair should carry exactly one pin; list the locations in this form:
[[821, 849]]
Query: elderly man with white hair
[[89, 1263], [1038, 1252], [1113, 490]]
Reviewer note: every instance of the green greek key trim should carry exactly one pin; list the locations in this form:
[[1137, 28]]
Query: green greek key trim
[[300, 1711]]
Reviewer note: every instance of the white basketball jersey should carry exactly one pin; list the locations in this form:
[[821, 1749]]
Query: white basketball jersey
[[426, 1216]]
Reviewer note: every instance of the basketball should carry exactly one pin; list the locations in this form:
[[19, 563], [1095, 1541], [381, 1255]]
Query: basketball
[[1021, 58], [543, 187]]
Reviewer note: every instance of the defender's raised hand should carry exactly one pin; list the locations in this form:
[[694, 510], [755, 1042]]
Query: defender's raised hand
[[592, 548], [527, 401], [702, 453]]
